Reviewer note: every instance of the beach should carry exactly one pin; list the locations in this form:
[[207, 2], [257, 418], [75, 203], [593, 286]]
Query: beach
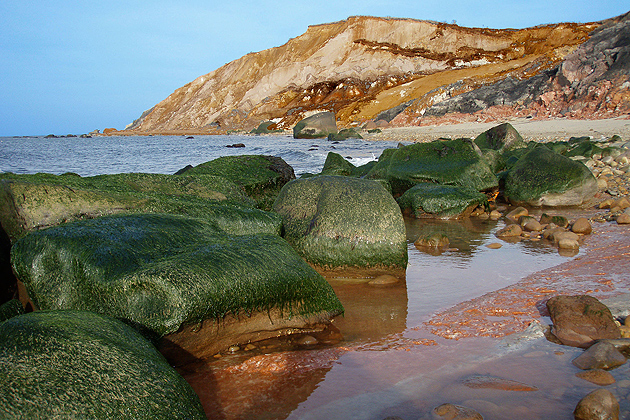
[[530, 129]]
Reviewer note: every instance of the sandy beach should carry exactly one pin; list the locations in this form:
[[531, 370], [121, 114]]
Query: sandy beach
[[538, 130]]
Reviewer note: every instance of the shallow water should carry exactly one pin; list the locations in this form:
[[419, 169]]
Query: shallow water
[[389, 362]]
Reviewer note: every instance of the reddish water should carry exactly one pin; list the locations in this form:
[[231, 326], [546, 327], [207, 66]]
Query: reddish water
[[415, 345]]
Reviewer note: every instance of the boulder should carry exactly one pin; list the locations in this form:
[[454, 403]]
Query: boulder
[[344, 226], [316, 126], [446, 162], [266, 127], [579, 321], [501, 138], [261, 177], [78, 364], [31, 202], [601, 355], [544, 178], [164, 272], [335, 164], [442, 201], [344, 134], [600, 404]]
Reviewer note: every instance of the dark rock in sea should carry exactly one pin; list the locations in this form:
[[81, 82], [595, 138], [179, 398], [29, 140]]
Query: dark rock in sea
[[316, 126], [579, 321], [51, 136], [441, 201], [600, 404], [601, 355], [164, 272], [447, 162], [544, 178], [344, 134], [236, 145], [71, 364], [344, 225]]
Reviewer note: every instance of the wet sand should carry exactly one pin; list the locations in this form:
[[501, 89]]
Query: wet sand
[[538, 130]]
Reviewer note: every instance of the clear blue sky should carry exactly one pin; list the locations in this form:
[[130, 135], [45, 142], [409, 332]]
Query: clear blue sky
[[76, 65]]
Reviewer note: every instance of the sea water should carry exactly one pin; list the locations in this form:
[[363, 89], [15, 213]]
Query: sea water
[[384, 366]]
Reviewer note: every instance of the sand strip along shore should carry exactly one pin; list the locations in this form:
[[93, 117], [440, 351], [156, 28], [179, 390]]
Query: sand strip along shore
[[538, 130]]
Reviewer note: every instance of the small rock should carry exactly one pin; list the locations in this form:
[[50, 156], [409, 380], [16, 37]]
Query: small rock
[[383, 280], [568, 244], [234, 349], [623, 219], [606, 203], [565, 234], [250, 347], [601, 355], [495, 214], [455, 412], [600, 404], [582, 225], [509, 231], [623, 203], [597, 377], [560, 221], [494, 245], [532, 226], [516, 214], [435, 240], [492, 382]]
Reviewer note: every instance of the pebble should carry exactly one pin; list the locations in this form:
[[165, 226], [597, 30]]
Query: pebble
[[234, 349], [306, 340], [623, 219], [517, 213], [568, 244], [455, 412], [495, 214], [384, 280], [510, 230], [494, 245]]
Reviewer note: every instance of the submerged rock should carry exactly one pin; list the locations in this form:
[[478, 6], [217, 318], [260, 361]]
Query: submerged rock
[[580, 320], [443, 201], [601, 355], [316, 126], [455, 412], [544, 178], [164, 272], [341, 224], [78, 364]]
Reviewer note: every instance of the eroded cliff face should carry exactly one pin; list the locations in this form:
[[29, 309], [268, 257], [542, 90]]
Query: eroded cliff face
[[364, 68]]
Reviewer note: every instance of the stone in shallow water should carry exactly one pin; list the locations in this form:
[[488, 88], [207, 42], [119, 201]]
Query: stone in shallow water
[[384, 280], [509, 231], [601, 355], [455, 412], [599, 404], [597, 376], [582, 225], [492, 382]]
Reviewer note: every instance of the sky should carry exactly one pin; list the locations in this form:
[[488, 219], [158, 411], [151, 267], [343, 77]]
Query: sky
[[69, 67]]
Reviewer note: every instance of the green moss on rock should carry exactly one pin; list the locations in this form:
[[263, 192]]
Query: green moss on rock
[[80, 365], [443, 201], [447, 162], [544, 178], [164, 271], [339, 223], [29, 202], [501, 138], [10, 309]]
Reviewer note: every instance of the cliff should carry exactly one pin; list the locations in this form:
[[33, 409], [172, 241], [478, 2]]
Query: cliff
[[367, 68]]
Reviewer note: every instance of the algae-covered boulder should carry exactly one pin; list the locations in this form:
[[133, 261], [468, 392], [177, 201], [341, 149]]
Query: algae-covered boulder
[[447, 162], [164, 271], [344, 226], [443, 201], [260, 176], [10, 309], [266, 127], [344, 134], [316, 126], [502, 138], [30, 202], [544, 178], [335, 164], [81, 365]]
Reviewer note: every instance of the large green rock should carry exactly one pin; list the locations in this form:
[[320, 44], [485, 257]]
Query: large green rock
[[501, 138], [260, 176], [442, 201], [447, 162], [316, 126], [81, 365], [344, 225], [30, 202], [544, 178], [164, 271]]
